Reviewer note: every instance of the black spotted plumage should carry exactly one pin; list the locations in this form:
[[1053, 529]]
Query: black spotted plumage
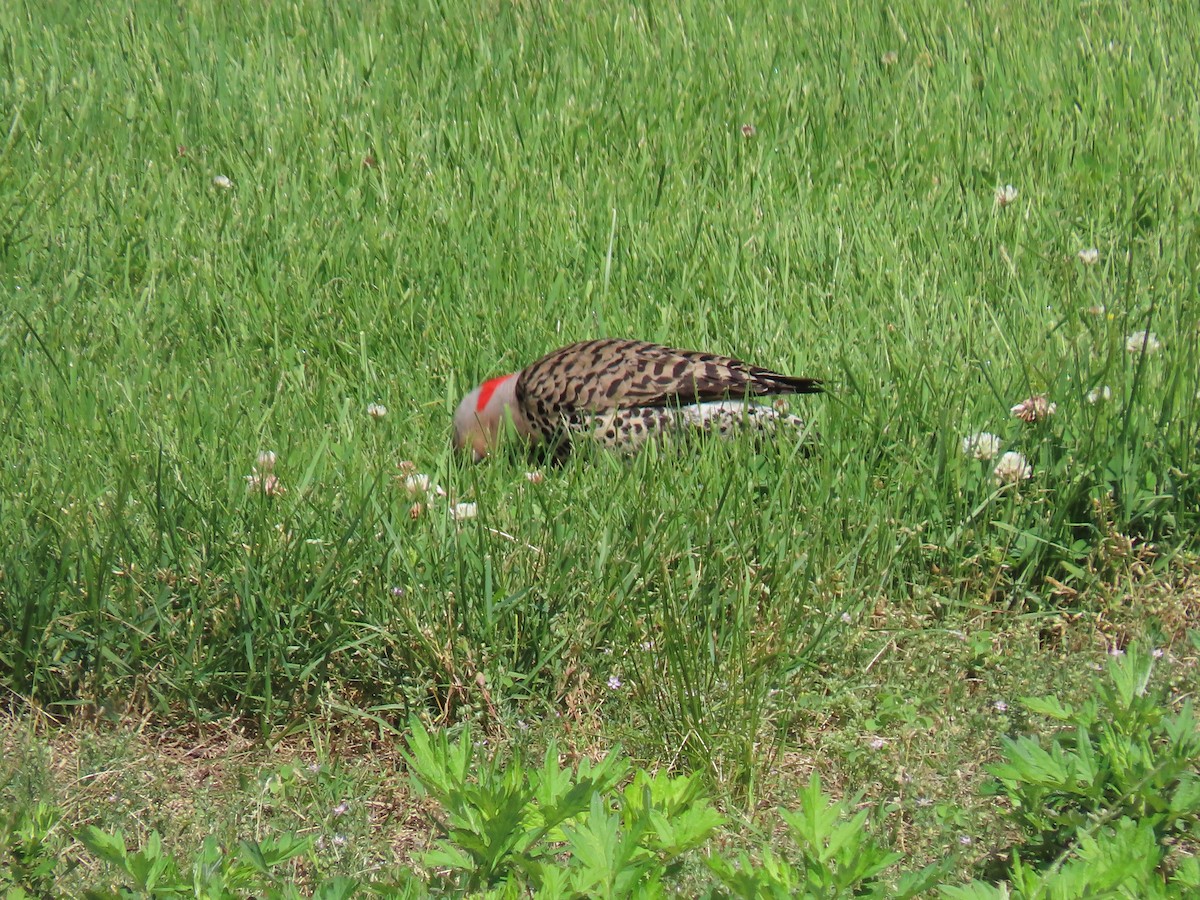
[[622, 392]]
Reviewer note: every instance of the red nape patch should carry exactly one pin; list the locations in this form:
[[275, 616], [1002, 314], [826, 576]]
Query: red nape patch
[[487, 389]]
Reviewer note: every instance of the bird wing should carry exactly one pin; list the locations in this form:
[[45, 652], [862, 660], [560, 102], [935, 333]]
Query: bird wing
[[620, 374]]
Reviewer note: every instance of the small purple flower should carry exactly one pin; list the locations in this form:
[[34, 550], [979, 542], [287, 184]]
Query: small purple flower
[[614, 683], [1000, 706]]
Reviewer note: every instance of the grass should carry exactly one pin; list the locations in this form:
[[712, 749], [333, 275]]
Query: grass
[[425, 195]]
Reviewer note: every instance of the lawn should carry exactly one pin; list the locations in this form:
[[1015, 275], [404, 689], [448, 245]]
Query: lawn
[[253, 254]]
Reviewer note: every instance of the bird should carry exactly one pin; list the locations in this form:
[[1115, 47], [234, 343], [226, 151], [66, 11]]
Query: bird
[[622, 393]]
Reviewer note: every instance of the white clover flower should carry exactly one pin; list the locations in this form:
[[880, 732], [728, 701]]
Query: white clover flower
[[222, 182], [341, 809], [462, 511], [265, 483], [1006, 194], [846, 618], [983, 445], [1034, 409], [376, 410], [1096, 394], [1143, 340], [877, 743], [417, 484], [262, 478], [1089, 256], [1011, 468], [420, 485], [1000, 706], [535, 477]]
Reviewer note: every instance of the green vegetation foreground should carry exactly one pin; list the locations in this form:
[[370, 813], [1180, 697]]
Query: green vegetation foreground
[[252, 255]]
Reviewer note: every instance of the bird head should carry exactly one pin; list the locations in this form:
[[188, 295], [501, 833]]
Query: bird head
[[482, 414]]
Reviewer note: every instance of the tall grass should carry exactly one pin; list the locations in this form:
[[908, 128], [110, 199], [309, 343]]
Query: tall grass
[[419, 195]]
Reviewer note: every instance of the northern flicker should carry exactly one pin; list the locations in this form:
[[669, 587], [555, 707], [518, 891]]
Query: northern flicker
[[621, 393]]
